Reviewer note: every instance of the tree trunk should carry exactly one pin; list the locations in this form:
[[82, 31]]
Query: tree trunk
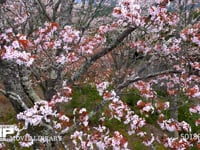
[[66, 12], [17, 87], [10, 77]]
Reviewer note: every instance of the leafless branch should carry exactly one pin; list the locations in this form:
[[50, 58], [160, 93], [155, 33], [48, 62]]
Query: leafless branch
[[55, 9], [136, 78], [43, 10]]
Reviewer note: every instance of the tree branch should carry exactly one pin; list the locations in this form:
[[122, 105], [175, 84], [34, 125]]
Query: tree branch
[[136, 78], [15, 97], [100, 54], [27, 85], [44, 10], [55, 9]]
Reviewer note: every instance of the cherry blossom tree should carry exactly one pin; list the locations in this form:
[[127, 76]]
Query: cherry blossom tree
[[160, 49]]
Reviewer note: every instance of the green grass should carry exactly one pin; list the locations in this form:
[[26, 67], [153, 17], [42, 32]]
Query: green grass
[[185, 115], [84, 97]]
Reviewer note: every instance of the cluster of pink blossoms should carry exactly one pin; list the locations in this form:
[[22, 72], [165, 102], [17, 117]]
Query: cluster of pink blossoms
[[16, 50], [100, 138], [192, 34], [101, 87], [145, 89], [176, 143], [193, 91], [195, 109], [172, 125], [35, 115], [27, 142], [48, 40], [129, 11], [145, 108], [169, 47], [161, 16], [148, 108], [88, 45]]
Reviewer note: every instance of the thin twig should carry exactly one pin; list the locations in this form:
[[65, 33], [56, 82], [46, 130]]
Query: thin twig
[[136, 78]]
